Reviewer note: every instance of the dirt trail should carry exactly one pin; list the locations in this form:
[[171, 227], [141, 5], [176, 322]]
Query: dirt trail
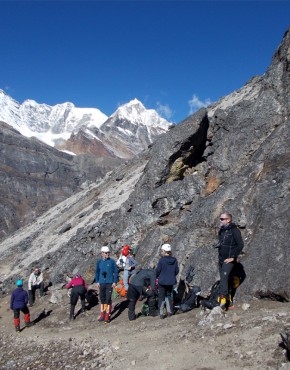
[[241, 339]]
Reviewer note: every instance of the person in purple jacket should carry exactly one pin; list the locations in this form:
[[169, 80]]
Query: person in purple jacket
[[166, 271], [18, 302]]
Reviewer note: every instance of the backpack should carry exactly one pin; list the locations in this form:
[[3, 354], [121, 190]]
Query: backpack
[[212, 300], [120, 289], [190, 300]]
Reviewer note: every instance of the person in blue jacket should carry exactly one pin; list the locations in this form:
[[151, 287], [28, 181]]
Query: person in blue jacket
[[106, 279], [166, 271], [18, 302]]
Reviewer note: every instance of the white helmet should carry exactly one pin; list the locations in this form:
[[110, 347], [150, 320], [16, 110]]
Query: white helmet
[[105, 249], [166, 247]]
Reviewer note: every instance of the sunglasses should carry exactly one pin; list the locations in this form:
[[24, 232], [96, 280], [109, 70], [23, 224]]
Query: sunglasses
[[106, 252], [222, 219]]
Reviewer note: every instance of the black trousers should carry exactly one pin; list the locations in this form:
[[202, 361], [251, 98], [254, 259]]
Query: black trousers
[[133, 294], [31, 293], [106, 291], [225, 270], [76, 292]]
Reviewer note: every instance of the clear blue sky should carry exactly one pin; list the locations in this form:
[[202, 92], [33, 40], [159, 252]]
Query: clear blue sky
[[164, 53]]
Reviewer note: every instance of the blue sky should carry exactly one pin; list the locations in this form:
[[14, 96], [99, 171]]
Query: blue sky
[[174, 56]]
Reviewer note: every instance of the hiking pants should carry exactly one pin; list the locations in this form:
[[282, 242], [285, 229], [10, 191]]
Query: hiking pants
[[225, 270], [25, 311], [165, 298], [106, 291], [133, 294], [126, 279], [31, 293], [76, 292]]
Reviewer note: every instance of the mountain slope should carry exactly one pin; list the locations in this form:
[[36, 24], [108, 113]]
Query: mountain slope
[[35, 176]]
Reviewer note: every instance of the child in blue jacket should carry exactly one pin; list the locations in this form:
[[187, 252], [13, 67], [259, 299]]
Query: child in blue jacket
[[18, 302]]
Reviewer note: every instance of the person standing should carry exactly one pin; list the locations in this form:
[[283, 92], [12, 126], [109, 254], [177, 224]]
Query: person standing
[[35, 282], [166, 271], [18, 302], [106, 279], [129, 268], [230, 246], [78, 288]]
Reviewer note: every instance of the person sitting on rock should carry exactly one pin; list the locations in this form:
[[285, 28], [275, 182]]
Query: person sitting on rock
[[18, 302], [106, 279], [78, 288], [35, 282], [142, 284]]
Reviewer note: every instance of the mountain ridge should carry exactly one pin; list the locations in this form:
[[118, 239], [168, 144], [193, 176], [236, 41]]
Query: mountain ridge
[[56, 124]]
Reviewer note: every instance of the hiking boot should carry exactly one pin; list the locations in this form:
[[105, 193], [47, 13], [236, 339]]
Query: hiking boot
[[17, 329], [102, 316], [169, 314], [162, 317], [107, 318], [223, 303]]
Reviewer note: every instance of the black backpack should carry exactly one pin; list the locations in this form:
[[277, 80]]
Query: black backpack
[[191, 300], [212, 300]]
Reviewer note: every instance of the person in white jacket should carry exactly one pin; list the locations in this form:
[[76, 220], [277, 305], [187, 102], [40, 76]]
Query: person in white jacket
[[35, 282]]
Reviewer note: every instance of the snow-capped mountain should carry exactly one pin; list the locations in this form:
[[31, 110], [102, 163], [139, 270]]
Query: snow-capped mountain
[[47, 123], [85, 130], [130, 129]]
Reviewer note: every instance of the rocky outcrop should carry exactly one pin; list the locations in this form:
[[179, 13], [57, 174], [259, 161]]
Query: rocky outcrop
[[233, 156]]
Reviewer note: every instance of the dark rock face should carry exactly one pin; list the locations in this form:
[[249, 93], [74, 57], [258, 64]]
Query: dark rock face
[[233, 156], [34, 177]]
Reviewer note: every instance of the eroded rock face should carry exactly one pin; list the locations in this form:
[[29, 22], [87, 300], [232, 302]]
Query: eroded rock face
[[233, 156]]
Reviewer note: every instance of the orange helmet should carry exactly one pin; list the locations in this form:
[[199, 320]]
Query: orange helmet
[[125, 250]]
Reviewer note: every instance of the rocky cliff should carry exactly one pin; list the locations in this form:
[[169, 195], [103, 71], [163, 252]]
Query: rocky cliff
[[233, 156]]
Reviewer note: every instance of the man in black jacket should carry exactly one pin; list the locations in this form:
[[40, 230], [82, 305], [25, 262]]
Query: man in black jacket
[[230, 246], [142, 284]]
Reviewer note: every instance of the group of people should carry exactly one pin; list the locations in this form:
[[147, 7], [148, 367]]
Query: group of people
[[138, 282]]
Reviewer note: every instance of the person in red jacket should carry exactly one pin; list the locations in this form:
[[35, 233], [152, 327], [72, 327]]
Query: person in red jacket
[[78, 288]]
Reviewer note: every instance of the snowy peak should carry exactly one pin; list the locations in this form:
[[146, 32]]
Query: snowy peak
[[136, 113]]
